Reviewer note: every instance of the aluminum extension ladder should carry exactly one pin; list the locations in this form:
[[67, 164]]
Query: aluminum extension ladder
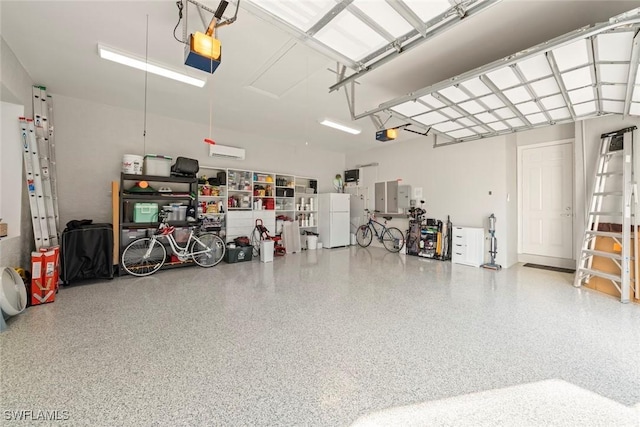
[[614, 197], [39, 162]]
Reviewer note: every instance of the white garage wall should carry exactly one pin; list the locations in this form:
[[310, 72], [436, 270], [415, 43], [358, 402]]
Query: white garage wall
[[15, 88], [91, 139], [456, 180]]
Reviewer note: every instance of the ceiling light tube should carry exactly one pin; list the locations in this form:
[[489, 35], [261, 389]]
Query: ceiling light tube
[[333, 124], [140, 64]]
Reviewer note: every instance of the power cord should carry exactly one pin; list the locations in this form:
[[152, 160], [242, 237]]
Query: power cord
[[180, 5]]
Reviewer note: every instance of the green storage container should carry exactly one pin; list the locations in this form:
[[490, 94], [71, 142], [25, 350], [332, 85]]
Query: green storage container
[[241, 254], [145, 212]]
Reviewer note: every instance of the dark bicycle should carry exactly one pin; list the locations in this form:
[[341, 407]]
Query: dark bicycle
[[391, 237]]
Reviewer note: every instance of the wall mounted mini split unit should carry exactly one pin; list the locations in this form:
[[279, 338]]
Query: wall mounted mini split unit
[[226, 151]]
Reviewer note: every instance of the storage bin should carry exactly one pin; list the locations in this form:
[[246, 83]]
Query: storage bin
[[181, 234], [266, 250], [145, 212], [179, 213], [241, 254], [128, 236], [312, 242], [284, 192], [157, 165]]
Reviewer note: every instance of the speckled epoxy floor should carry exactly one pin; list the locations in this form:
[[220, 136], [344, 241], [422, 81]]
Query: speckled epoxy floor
[[317, 338]]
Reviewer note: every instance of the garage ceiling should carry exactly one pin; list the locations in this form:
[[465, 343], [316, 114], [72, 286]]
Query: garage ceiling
[[269, 81]]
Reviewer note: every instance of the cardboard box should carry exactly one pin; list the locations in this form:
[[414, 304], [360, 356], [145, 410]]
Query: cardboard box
[[607, 265], [45, 274], [3, 229], [240, 254]]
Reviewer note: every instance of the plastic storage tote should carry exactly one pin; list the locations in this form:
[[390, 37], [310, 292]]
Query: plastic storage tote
[[145, 212], [157, 165]]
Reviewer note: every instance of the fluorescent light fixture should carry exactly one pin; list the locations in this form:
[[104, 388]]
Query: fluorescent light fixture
[[140, 64], [344, 128]]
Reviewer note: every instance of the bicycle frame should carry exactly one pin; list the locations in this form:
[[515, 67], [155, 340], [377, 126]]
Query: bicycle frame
[[371, 223], [176, 249]]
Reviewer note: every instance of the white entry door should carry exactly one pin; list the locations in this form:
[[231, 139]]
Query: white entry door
[[547, 200]]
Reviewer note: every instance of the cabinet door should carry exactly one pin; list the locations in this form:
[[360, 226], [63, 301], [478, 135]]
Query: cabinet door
[[404, 196], [392, 196], [381, 203]]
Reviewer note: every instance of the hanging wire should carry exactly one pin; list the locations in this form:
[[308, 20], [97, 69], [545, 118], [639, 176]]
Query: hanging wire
[[146, 78], [180, 5], [211, 141], [306, 118]]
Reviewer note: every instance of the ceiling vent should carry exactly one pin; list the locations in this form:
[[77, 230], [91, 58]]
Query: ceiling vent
[[226, 151]]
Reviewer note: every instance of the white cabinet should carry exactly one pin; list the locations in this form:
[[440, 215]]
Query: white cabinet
[[239, 223], [468, 246]]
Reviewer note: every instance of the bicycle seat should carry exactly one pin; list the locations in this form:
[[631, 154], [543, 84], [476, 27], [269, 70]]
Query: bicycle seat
[[388, 218]]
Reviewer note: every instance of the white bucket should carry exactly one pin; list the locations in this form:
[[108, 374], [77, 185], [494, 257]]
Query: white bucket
[[132, 164], [353, 239], [312, 242]]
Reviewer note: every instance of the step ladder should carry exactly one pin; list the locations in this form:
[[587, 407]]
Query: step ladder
[[614, 198]]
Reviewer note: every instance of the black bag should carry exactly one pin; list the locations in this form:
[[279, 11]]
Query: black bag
[[222, 178], [242, 241], [86, 251], [185, 167]]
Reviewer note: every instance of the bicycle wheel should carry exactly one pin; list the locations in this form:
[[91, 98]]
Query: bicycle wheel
[[136, 261], [212, 244], [393, 239], [364, 235]]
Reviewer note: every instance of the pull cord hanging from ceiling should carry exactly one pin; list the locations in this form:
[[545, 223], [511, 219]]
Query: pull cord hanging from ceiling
[[146, 82]]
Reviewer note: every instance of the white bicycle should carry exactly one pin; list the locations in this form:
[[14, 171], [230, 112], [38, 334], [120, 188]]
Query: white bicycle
[[147, 255]]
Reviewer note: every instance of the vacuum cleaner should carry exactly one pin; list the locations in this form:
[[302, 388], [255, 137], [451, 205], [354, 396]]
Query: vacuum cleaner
[[493, 246]]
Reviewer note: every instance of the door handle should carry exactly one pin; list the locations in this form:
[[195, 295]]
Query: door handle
[[565, 214]]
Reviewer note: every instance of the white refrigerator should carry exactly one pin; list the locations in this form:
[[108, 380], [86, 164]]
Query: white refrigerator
[[334, 219]]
